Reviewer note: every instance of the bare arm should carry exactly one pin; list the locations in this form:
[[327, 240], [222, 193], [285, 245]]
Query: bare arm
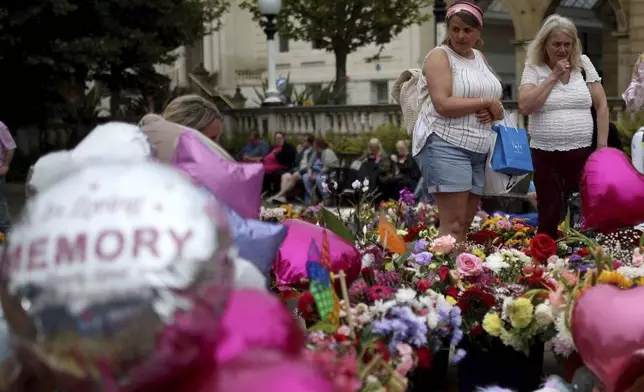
[[600, 103], [438, 74], [532, 97], [9, 154]]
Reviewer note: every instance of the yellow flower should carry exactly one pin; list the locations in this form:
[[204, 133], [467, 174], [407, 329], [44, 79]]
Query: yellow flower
[[287, 210], [519, 235], [614, 278], [450, 299], [520, 312], [479, 253], [492, 324], [2, 237], [639, 281]]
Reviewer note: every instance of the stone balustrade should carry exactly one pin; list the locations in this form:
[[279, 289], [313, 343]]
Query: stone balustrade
[[345, 119]]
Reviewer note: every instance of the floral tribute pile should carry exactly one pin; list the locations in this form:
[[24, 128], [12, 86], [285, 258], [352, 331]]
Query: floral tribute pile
[[506, 284]]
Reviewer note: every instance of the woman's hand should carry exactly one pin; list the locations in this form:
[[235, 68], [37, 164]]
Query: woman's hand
[[561, 68], [484, 116], [496, 109]]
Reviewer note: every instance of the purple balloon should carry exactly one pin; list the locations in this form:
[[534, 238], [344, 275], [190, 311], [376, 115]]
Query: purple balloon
[[290, 266], [238, 185], [258, 320]]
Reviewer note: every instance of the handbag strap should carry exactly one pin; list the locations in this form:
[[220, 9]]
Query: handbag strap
[[507, 118]]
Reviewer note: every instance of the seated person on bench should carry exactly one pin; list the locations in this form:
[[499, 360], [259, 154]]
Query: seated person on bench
[[303, 163]]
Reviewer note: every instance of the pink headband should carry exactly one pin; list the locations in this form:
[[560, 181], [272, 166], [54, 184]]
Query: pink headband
[[472, 9]]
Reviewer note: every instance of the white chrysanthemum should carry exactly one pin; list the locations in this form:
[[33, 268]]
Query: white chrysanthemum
[[507, 301], [406, 296], [380, 307], [495, 263], [562, 343], [543, 315], [631, 272], [432, 319]]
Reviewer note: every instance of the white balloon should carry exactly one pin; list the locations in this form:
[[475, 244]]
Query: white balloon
[[247, 275], [114, 140], [50, 169]]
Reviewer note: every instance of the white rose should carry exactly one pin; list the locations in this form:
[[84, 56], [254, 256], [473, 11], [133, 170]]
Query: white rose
[[543, 315]]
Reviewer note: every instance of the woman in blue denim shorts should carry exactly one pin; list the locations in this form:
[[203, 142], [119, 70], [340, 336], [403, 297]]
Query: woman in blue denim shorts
[[451, 135]]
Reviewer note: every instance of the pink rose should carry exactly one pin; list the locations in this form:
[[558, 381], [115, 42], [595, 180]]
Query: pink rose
[[504, 224], [443, 244], [469, 265]]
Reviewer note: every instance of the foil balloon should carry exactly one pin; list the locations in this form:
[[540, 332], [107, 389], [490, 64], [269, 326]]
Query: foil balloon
[[256, 241], [611, 346], [265, 371], [248, 276], [256, 319], [290, 265], [164, 135], [113, 140], [104, 260], [612, 191], [238, 185]]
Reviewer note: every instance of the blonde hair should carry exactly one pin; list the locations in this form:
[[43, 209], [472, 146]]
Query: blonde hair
[[536, 51], [191, 111], [404, 143], [376, 142]]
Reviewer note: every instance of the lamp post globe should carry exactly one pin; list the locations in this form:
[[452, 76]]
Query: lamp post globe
[[270, 9]]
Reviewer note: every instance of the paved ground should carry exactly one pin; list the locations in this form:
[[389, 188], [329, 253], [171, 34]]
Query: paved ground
[[16, 200]]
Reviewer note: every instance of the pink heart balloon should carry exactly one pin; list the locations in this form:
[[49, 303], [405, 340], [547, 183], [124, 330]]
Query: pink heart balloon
[[608, 330], [290, 266], [238, 185], [256, 319], [612, 191]]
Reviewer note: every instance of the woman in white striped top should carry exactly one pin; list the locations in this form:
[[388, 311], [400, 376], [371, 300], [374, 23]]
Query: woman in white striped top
[[451, 136]]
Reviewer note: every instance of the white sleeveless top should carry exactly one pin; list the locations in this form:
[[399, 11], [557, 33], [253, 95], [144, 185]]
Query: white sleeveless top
[[564, 121], [471, 78]]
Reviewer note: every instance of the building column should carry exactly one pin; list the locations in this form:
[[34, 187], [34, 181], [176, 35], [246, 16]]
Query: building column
[[527, 16], [519, 58], [625, 60], [208, 52]]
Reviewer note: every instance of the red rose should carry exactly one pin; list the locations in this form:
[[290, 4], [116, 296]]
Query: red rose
[[616, 264], [476, 330], [583, 252], [423, 285], [306, 305], [452, 292], [382, 349], [542, 247], [482, 237], [443, 273], [425, 357]]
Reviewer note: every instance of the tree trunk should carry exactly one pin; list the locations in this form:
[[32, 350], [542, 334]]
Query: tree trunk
[[114, 85], [340, 86]]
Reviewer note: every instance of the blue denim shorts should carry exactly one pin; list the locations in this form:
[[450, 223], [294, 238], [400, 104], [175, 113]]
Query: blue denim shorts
[[447, 168]]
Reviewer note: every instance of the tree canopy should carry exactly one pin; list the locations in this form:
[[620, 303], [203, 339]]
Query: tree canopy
[[343, 26], [50, 49]]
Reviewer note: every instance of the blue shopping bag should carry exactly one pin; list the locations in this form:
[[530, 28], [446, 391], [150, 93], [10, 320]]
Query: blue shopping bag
[[511, 153]]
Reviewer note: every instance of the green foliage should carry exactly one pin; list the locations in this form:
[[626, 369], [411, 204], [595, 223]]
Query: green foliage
[[627, 126], [356, 144], [344, 26], [50, 49]]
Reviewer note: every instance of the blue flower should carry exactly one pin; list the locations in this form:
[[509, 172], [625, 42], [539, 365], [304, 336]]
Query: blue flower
[[420, 246], [402, 326], [423, 258], [458, 355]]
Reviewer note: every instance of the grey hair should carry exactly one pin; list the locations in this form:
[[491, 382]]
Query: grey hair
[[192, 111], [536, 50]]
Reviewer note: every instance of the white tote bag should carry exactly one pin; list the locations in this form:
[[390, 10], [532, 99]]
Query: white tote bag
[[497, 183]]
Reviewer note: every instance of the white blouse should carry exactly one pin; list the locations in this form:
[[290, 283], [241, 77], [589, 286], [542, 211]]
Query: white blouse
[[564, 121], [470, 78]]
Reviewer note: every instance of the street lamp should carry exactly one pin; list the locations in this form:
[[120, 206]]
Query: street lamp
[[440, 10], [270, 9]]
